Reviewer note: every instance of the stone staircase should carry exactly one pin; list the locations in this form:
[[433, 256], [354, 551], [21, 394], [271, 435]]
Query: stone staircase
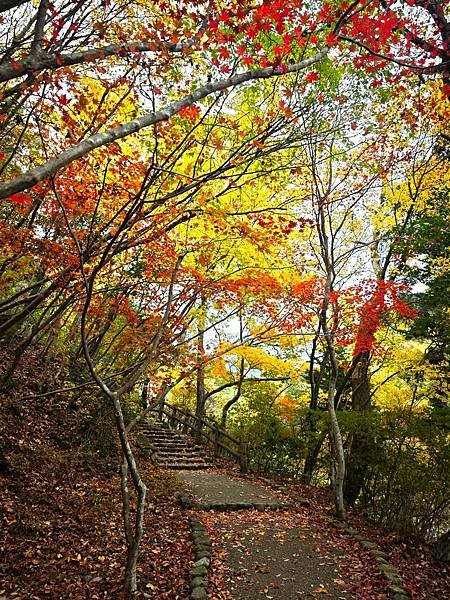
[[172, 449]]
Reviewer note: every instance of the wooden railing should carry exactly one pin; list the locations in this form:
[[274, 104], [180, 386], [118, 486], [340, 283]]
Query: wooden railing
[[205, 430]]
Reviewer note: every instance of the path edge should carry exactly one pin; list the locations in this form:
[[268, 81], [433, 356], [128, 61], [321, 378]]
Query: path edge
[[199, 571], [396, 586]]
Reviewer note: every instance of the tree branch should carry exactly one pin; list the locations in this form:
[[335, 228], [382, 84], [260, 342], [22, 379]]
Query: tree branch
[[249, 380], [8, 4], [50, 167]]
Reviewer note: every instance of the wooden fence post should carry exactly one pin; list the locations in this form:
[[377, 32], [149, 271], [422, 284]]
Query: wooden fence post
[[216, 435], [243, 456], [173, 421]]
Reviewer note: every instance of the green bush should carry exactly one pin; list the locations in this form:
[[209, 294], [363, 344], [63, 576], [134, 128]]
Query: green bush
[[277, 444], [408, 460]]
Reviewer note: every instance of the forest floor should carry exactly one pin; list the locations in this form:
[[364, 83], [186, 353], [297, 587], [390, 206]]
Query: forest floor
[[61, 524]]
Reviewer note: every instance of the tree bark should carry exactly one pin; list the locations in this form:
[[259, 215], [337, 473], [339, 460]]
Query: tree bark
[[357, 456], [315, 380], [200, 376], [311, 460], [339, 457], [238, 392], [327, 251]]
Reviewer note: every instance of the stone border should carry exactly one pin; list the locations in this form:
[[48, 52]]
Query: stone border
[[396, 587], [202, 546], [200, 568], [184, 499]]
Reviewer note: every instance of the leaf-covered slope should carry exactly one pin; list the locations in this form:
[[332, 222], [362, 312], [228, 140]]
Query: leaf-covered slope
[[61, 507]]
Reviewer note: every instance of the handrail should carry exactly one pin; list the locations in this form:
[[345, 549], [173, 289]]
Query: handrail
[[180, 418]]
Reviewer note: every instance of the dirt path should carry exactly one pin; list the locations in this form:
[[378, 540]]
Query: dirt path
[[222, 492]]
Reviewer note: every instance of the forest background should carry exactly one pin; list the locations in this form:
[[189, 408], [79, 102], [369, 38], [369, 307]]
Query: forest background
[[239, 208]]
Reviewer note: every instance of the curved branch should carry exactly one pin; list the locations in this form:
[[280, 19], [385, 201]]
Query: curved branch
[[33, 63], [8, 4], [41, 61], [430, 68], [236, 383], [50, 167]]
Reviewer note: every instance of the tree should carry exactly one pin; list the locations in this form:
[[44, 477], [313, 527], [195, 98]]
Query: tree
[[402, 201], [430, 242]]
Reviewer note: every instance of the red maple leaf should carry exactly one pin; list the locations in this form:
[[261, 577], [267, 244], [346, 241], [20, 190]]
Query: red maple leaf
[[20, 200], [312, 77]]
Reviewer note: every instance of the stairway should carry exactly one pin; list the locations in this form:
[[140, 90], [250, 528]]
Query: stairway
[[172, 449]]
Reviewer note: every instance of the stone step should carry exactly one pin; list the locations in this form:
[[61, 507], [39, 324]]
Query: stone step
[[185, 467], [178, 452], [179, 460], [170, 436], [176, 456], [174, 460], [182, 456], [175, 450], [173, 442], [158, 436], [169, 439], [165, 432], [189, 451], [175, 446], [165, 437]]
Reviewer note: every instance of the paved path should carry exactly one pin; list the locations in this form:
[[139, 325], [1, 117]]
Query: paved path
[[221, 492], [292, 553], [267, 560], [276, 555]]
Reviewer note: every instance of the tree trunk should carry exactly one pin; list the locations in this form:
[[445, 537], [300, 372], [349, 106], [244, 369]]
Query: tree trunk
[[357, 463], [338, 454], [200, 389], [133, 537], [133, 548], [237, 395], [311, 460], [227, 407], [315, 379]]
